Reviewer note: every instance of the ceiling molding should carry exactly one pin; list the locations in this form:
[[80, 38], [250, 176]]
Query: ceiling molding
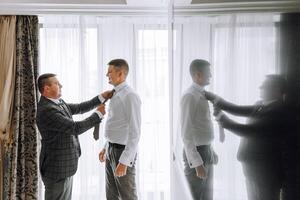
[[86, 9], [100, 2], [129, 10], [236, 7]]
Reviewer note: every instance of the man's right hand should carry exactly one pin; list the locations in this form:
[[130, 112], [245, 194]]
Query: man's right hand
[[107, 94], [102, 156], [101, 108], [201, 171], [210, 96]]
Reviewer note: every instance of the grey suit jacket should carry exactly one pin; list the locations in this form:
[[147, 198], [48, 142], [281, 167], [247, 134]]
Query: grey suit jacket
[[60, 145], [262, 135]]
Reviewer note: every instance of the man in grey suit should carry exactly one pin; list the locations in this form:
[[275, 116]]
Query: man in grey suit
[[60, 145], [266, 140]]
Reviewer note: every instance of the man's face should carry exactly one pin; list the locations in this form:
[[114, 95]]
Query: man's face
[[53, 89], [203, 78], [114, 76], [269, 91]]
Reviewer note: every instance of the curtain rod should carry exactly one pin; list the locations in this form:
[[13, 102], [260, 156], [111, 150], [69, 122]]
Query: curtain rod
[[125, 10]]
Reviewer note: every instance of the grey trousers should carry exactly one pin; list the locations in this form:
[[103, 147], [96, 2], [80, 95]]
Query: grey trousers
[[201, 189], [60, 189], [119, 188]]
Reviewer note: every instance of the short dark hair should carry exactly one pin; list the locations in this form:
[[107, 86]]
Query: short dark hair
[[44, 80], [120, 64], [278, 81], [198, 65]]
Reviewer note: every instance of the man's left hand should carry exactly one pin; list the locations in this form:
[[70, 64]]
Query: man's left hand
[[121, 170]]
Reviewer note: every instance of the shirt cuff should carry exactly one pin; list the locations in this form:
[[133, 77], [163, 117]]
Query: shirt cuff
[[126, 161], [194, 164], [99, 114], [101, 98]]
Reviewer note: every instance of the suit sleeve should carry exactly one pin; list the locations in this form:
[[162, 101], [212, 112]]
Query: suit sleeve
[[187, 113], [259, 128], [84, 106], [236, 109], [54, 120]]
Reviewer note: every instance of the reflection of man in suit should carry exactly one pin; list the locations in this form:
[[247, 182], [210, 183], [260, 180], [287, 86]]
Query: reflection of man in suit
[[260, 150], [197, 133], [60, 145]]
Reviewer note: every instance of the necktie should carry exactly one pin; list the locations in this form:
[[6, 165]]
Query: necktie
[[221, 131], [97, 126], [62, 106]]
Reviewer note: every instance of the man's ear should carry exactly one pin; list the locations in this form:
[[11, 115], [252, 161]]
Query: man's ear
[[122, 74], [46, 88], [198, 75]]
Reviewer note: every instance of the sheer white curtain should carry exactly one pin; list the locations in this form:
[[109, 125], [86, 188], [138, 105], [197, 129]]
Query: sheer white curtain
[[78, 48], [241, 49]]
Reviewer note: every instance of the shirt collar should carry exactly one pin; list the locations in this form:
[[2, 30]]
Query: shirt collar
[[120, 86], [56, 101], [198, 87]]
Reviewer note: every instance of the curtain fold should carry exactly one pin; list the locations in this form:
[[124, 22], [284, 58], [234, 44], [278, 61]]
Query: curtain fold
[[7, 76], [21, 165]]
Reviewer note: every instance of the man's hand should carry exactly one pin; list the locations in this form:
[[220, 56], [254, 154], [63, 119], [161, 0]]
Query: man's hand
[[102, 156], [107, 94], [201, 171], [211, 96], [217, 111], [121, 170], [101, 108]]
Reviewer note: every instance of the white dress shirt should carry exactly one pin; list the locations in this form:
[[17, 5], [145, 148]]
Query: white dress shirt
[[123, 125], [196, 124]]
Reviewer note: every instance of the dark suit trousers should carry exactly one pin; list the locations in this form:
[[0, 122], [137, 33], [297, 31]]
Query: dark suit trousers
[[263, 179], [58, 189], [117, 188], [201, 189]]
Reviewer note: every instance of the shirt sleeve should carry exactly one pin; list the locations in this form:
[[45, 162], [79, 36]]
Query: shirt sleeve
[[188, 111], [133, 113], [99, 114], [101, 98]]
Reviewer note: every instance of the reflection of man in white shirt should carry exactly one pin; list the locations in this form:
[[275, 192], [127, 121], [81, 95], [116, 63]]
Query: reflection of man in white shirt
[[197, 133], [122, 132]]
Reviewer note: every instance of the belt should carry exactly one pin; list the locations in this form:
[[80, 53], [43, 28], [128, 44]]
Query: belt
[[115, 145]]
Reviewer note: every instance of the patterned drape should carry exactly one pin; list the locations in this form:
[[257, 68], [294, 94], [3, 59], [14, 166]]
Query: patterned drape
[[21, 161]]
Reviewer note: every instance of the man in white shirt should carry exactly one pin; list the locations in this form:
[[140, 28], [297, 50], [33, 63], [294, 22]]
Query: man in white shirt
[[122, 131], [197, 133]]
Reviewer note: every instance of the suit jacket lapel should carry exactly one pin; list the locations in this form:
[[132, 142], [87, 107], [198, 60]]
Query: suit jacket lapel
[[63, 108], [66, 109]]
